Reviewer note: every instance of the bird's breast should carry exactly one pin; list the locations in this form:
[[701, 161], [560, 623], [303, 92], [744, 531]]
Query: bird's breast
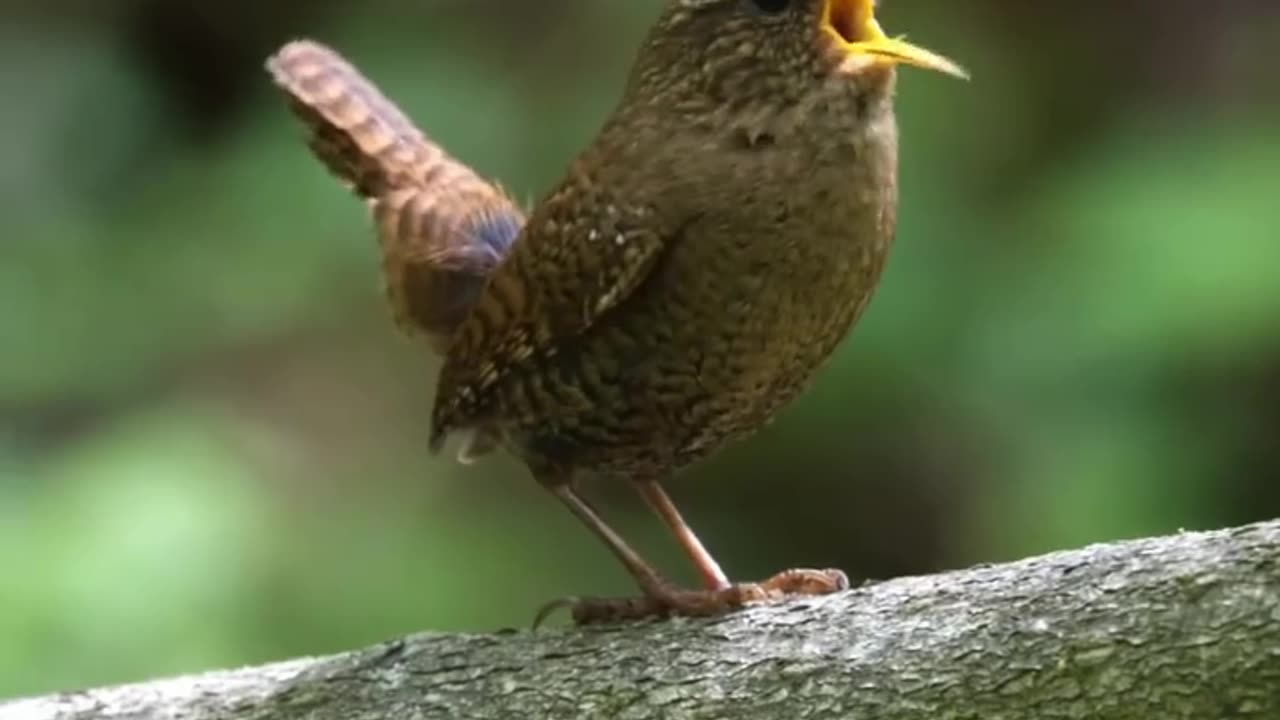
[[732, 325], [733, 322], [776, 307]]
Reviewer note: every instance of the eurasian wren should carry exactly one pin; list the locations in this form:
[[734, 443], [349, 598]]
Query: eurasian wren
[[701, 260]]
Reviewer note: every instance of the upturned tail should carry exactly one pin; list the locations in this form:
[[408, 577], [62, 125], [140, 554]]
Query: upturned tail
[[443, 228]]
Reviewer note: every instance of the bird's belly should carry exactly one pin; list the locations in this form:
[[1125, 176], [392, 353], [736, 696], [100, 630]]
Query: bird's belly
[[773, 345], [703, 357]]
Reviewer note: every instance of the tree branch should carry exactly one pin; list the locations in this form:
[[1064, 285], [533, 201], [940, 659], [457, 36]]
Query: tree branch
[[1178, 628]]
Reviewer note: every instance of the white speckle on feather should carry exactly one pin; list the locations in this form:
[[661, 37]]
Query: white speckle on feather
[[607, 299]]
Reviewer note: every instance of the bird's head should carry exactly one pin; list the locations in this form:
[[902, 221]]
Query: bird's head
[[772, 52]]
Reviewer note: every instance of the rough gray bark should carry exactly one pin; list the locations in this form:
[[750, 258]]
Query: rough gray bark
[[1179, 628]]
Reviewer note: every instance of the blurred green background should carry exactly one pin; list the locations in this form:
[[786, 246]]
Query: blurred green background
[[212, 439]]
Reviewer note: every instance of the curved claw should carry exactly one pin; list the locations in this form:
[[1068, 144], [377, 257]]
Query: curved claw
[[596, 611], [550, 608]]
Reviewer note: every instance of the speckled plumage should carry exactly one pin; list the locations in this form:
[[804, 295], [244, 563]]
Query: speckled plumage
[[442, 228], [700, 261]]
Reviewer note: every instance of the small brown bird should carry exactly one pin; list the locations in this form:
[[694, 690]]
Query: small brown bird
[[702, 259]]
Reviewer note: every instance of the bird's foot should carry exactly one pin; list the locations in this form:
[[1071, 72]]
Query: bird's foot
[[665, 601]]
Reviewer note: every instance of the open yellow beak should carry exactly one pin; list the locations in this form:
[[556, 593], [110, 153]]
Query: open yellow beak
[[853, 23]]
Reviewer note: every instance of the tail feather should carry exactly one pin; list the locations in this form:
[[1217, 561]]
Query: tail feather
[[360, 135], [443, 228], [437, 259]]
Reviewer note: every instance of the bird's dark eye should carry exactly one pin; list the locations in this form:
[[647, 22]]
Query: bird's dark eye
[[771, 6]]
